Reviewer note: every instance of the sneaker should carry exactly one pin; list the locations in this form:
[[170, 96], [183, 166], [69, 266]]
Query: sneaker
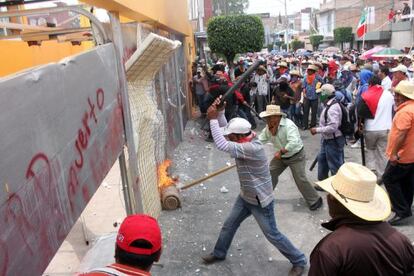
[[356, 145], [296, 271], [397, 220], [210, 259], [316, 205]]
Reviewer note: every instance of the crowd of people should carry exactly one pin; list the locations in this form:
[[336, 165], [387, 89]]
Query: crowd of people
[[344, 99]]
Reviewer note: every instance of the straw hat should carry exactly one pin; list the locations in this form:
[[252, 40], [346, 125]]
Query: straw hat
[[283, 64], [272, 110], [405, 88], [313, 67], [262, 68], [295, 73], [355, 187]]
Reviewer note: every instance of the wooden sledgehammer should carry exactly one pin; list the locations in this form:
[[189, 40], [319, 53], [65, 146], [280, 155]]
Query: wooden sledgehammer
[[220, 171]]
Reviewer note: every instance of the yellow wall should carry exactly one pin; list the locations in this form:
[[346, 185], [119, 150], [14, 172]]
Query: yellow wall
[[171, 15], [17, 55]]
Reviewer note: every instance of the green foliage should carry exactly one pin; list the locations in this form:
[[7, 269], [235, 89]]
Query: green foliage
[[233, 34], [296, 44], [343, 34], [315, 40], [270, 47], [229, 7]]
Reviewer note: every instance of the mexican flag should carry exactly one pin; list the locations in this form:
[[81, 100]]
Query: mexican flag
[[362, 24]]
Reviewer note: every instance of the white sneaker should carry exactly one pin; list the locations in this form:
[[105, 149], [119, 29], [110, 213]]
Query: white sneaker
[[356, 145]]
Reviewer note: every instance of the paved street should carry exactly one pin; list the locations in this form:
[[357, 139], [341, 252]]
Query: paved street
[[192, 230]]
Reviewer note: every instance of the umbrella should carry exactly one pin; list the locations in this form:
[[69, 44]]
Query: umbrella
[[368, 54], [330, 50], [388, 53]]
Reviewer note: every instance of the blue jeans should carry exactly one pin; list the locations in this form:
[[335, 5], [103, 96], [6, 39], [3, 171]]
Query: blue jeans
[[331, 157], [265, 217]]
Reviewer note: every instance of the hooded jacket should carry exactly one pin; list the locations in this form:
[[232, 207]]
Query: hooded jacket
[[365, 76]]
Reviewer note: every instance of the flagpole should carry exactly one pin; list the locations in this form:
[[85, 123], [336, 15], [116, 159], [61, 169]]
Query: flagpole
[[366, 30]]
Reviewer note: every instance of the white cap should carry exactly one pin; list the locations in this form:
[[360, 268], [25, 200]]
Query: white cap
[[237, 126], [399, 68]]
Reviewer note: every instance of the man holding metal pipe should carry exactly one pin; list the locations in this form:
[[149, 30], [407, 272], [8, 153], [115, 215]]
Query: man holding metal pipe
[[256, 193], [285, 138]]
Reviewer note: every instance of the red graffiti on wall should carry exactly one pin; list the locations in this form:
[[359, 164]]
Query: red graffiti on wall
[[4, 260]]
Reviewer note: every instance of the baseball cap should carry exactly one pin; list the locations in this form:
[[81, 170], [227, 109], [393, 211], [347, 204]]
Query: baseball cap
[[237, 126], [399, 68], [327, 89], [139, 227]]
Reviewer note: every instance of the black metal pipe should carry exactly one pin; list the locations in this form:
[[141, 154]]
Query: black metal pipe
[[243, 77]]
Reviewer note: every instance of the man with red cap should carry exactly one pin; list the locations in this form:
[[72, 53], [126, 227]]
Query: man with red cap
[[138, 246]]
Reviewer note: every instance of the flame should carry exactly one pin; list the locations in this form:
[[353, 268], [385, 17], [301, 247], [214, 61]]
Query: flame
[[164, 180]]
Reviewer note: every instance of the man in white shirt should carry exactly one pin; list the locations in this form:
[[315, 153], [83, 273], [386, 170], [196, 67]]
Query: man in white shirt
[[376, 108], [261, 79], [383, 74]]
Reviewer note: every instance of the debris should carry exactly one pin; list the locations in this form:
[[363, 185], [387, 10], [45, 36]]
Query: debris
[[202, 184], [298, 204], [209, 147], [197, 270], [206, 174], [224, 190], [220, 211], [188, 159], [228, 164], [257, 236], [270, 259], [204, 248]]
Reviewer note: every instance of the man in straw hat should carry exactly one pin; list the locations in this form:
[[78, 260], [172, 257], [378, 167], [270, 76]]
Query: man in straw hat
[[311, 83], [399, 173], [361, 242], [285, 137], [256, 196]]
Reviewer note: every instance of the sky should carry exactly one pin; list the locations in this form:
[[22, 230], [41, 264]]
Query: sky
[[276, 6]]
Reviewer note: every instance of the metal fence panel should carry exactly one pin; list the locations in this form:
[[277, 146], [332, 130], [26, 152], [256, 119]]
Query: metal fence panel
[[62, 131]]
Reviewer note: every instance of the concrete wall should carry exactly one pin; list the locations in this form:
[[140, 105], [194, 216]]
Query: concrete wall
[[401, 39]]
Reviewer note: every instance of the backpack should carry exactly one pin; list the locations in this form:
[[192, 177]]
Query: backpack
[[346, 127]]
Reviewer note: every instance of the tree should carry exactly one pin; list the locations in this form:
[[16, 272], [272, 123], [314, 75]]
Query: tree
[[315, 40], [296, 44], [342, 35], [229, 7], [234, 34]]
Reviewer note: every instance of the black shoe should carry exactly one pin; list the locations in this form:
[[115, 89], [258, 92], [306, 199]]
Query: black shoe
[[397, 220], [211, 259], [209, 139], [296, 271], [316, 205], [318, 188]]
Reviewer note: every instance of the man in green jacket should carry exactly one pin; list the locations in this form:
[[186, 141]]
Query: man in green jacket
[[286, 140]]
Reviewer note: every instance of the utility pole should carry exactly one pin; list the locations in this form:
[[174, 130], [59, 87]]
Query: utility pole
[[286, 29]]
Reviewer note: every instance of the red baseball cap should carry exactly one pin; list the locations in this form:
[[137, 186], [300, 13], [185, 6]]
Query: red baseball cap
[[139, 227]]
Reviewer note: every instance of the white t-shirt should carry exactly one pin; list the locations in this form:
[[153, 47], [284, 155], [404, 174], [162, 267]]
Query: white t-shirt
[[386, 83], [262, 84], [383, 115]]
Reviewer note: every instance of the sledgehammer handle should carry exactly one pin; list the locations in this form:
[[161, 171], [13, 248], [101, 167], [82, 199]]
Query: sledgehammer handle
[[220, 171], [243, 77]]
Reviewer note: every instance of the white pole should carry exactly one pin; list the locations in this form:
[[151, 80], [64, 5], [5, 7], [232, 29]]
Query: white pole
[[287, 27]]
